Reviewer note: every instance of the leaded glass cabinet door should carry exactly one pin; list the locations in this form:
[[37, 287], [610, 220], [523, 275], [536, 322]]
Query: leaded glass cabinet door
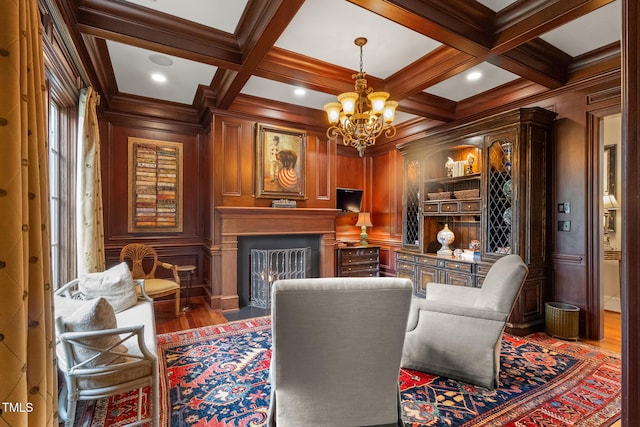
[[500, 214], [411, 222]]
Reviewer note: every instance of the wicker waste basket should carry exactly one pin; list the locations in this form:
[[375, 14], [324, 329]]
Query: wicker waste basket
[[561, 320]]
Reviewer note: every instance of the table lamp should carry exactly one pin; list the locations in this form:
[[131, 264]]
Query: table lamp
[[364, 221], [609, 203]]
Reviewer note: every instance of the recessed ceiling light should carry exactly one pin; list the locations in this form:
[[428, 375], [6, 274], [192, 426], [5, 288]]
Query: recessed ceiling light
[[299, 91], [474, 75], [157, 77], [156, 58]]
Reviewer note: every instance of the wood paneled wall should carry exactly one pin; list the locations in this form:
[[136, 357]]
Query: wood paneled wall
[[219, 160], [179, 248]]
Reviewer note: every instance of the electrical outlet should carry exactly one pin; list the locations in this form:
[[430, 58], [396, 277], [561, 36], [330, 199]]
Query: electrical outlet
[[564, 225], [564, 207]]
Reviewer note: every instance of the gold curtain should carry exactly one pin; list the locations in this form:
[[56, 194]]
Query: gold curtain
[[90, 230], [28, 385]]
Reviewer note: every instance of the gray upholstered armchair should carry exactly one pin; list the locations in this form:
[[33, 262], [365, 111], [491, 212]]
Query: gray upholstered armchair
[[456, 331], [337, 344]]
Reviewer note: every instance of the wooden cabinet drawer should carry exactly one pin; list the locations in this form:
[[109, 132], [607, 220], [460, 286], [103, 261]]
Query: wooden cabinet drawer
[[449, 207], [431, 207], [404, 257], [470, 206], [426, 261], [403, 265], [459, 266], [459, 279], [360, 270]]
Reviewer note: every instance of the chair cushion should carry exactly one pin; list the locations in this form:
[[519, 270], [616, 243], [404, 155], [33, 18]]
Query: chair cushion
[[115, 285], [94, 315], [154, 286]]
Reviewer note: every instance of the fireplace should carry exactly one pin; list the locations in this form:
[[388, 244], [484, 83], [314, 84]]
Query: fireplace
[[247, 244], [270, 265], [243, 228]]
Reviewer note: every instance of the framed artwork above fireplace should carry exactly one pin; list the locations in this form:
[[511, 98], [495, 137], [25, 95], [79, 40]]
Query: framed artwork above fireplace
[[280, 162]]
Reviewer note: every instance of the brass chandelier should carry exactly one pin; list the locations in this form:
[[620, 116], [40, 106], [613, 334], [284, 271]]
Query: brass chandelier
[[361, 116]]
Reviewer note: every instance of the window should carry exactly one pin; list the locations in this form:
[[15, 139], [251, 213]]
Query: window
[[54, 191], [62, 80]]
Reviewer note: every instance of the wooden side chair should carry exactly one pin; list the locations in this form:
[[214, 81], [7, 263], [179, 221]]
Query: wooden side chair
[[155, 288]]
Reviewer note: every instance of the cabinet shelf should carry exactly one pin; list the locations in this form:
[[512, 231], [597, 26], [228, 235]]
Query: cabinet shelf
[[455, 179]]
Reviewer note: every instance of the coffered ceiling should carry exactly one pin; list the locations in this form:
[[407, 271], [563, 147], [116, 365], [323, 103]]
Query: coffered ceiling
[[230, 54]]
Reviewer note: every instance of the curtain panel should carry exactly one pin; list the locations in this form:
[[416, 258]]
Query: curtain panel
[[28, 386], [89, 223]]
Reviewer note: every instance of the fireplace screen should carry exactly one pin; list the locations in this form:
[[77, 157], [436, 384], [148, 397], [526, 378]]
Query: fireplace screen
[[269, 265]]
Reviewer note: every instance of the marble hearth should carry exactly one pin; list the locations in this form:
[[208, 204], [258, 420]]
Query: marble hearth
[[238, 222]]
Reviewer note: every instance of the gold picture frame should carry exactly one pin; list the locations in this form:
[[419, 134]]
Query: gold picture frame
[[155, 186], [280, 162]]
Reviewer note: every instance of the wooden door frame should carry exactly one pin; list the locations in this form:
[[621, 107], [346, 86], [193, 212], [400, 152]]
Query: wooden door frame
[[595, 308], [631, 238]]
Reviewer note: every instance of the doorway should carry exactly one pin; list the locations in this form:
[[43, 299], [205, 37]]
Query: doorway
[[611, 183]]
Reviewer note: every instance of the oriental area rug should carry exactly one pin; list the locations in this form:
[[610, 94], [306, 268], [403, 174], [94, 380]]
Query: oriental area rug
[[218, 376]]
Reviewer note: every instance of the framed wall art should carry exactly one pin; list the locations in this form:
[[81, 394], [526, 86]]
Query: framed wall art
[[280, 162], [155, 186]]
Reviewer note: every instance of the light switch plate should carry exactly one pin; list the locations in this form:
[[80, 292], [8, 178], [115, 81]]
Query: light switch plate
[[564, 225]]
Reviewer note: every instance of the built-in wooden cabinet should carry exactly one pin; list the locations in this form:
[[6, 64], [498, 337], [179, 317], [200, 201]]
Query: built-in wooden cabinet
[[487, 181]]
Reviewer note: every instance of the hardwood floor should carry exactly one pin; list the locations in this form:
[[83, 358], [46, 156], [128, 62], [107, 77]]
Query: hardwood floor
[[200, 315], [612, 333]]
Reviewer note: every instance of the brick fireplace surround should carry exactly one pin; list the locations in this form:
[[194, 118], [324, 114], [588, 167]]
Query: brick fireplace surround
[[235, 222]]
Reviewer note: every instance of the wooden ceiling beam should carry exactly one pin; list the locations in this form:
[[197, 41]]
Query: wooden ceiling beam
[[537, 61], [295, 69], [429, 106], [526, 20], [261, 32], [437, 66], [462, 24], [138, 26]]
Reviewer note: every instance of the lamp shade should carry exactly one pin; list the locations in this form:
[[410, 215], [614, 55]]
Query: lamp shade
[[389, 113], [364, 220], [378, 101], [333, 111], [348, 101], [610, 202]]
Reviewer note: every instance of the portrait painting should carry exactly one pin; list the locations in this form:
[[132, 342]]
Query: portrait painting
[[280, 162]]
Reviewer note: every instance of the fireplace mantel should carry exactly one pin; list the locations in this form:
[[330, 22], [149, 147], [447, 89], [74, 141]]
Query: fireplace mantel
[[234, 222]]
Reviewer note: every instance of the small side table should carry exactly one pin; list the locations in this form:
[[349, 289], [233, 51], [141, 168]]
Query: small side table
[[614, 255], [189, 269]]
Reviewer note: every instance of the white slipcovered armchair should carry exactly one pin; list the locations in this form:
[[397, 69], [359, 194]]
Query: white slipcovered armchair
[[103, 353], [456, 331]]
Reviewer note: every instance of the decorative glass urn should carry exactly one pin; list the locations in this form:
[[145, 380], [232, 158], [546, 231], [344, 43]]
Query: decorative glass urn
[[445, 238]]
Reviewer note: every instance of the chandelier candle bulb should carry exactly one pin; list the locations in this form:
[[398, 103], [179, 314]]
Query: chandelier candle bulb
[[360, 117]]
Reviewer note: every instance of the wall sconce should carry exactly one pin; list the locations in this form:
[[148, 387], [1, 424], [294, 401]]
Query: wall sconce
[[364, 221], [609, 203]]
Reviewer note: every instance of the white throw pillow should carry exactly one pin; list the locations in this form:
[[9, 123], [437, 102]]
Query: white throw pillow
[[94, 315], [114, 284]]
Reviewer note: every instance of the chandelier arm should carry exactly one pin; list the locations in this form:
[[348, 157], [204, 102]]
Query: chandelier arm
[[390, 131]]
